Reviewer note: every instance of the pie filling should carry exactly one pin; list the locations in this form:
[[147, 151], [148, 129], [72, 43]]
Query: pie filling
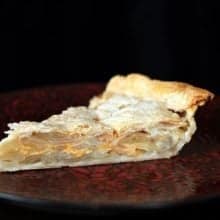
[[43, 147]]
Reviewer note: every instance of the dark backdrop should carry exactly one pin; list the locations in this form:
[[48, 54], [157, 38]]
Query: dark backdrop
[[46, 42]]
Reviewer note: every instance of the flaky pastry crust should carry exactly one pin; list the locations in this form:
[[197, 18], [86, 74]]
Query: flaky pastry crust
[[178, 96]]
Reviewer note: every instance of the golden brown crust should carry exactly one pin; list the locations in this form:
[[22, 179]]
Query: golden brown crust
[[178, 96]]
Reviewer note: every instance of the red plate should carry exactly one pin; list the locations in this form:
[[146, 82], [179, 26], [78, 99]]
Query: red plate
[[192, 176]]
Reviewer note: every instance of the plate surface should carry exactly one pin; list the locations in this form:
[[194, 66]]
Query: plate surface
[[192, 176]]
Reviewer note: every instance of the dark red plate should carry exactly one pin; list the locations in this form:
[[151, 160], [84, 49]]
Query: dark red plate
[[191, 177]]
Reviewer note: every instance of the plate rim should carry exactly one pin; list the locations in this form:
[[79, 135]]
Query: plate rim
[[61, 207]]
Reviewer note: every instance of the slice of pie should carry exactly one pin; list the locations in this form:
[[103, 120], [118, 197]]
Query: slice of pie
[[135, 119]]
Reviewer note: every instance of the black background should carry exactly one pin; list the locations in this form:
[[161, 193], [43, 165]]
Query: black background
[[47, 42]]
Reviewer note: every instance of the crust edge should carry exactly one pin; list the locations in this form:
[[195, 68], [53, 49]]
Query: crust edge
[[178, 96]]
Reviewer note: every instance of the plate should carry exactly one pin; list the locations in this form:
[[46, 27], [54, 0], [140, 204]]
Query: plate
[[191, 177]]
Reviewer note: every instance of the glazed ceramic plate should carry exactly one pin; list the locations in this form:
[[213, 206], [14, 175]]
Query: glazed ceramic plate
[[191, 177]]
